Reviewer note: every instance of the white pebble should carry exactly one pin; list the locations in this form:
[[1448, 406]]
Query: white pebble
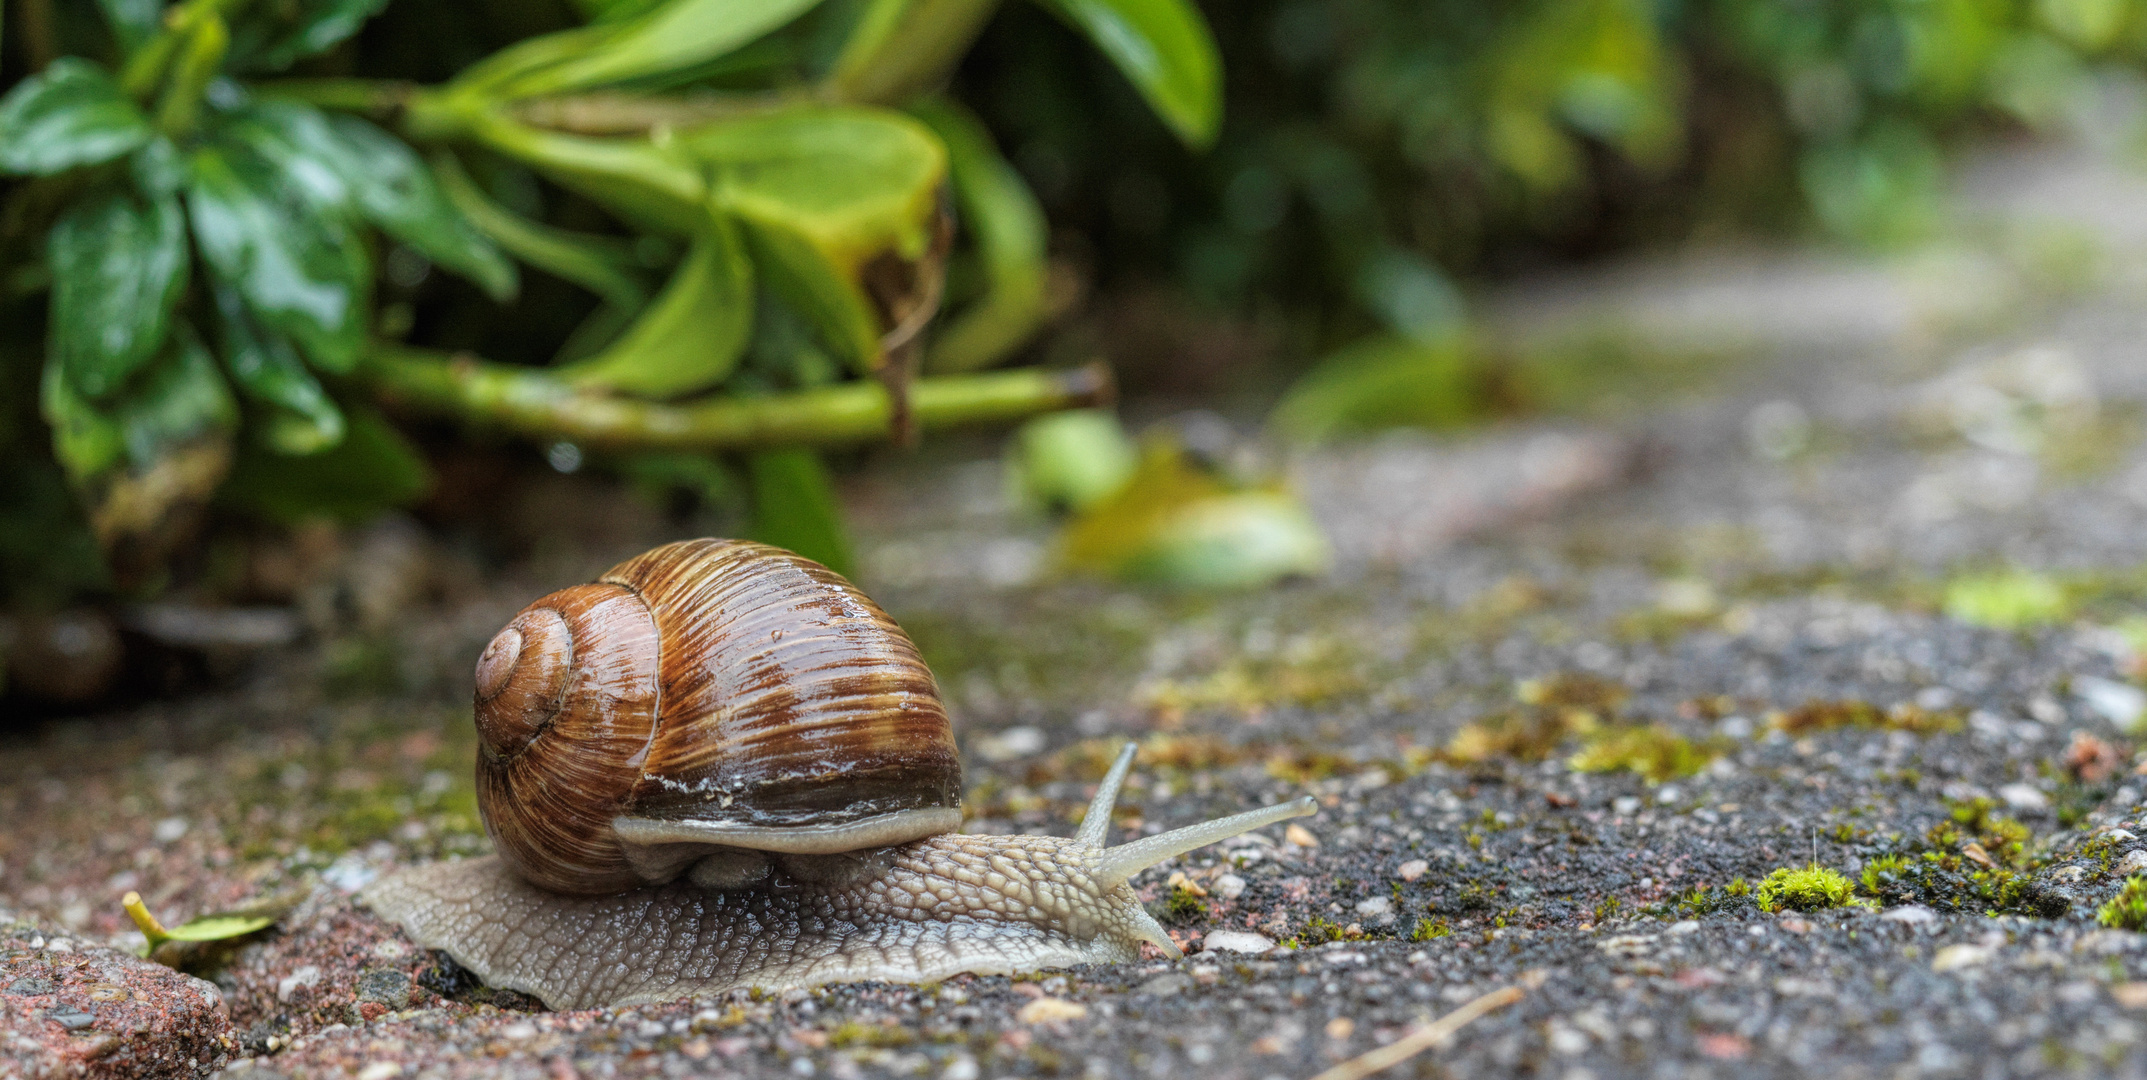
[[169, 829], [2024, 797], [1229, 886], [1413, 869], [1374, 906], [1237, 941]]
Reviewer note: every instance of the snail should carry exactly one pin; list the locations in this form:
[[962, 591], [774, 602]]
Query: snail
[[720, 766]]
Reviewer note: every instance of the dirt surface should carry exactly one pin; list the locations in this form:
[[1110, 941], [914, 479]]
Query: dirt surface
[[1573, 693]]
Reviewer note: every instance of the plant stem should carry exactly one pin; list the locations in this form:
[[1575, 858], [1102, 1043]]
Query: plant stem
[[529, 402], [376, 96], [151, 929]]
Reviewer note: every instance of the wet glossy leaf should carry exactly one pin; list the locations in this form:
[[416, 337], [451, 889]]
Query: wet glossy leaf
[[397, 192], [372, 469], [272, 36], [1165, 48], [147, 462], [1007, 225], [118, 267], [267, 369], [794, 507], [1174, 523], [692, 335], [69, 114], [675, 35], [299, 270], [133, 21]]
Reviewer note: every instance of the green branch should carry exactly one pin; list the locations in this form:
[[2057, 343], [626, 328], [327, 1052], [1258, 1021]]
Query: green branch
[[529, 402]]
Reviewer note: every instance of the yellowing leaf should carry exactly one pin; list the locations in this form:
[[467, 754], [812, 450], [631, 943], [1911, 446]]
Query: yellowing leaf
[[855, 182], [1174, 523]]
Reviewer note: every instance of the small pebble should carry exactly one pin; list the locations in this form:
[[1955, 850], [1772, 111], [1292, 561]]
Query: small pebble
[[1955, 957], [1912, 914], [1374, 906], [2024, 797], [1413, 869], [1625, 805], [386, 986], [1229, 886], [2133, 862], [1301, 836], [1238, 941], [71, 1018], [1046, 1010]]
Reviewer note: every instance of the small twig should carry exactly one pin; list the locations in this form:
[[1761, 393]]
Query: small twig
[[1420, 1040]]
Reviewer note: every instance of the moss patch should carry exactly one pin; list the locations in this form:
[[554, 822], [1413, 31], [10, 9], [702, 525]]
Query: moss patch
[[2128, 909], [1816, 716], [1652, 750], [1810, 888]]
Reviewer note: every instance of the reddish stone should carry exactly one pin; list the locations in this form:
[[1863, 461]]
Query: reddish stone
[[77, 1010]]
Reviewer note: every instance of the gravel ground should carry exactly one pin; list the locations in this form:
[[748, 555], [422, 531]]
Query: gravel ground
[[1562, 723]]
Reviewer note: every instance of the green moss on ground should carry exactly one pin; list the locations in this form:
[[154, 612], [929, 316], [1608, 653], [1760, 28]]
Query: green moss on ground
[[1810, 888]]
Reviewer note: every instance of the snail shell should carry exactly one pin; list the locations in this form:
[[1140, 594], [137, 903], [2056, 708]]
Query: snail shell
[[701, 705]]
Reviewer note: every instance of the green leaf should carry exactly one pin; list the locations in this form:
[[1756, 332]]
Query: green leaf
[[1165, 48], [691, 337], [1007, 225], [218, 927], [300, 270], [798, 272], [856, 182], [267, 369], [347, 166], [118, 268], [898, 50], [146, 462], [70, 114], [272, 36], [372, 469], [133, 22], [1071, 460], [794, 507], [679, 34], [604, 265], [650, 185], [397, 192], [1382, 382], [823, 192]]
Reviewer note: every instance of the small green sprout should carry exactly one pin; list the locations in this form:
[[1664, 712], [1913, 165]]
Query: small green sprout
[[2128, 909], [206, 928], [1430, 930], [1813, 888]]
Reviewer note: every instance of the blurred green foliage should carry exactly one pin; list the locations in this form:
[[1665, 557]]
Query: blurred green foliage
[[699, 237], [223, 212], [1378, 154]]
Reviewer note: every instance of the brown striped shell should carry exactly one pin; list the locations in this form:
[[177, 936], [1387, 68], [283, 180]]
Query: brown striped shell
[[699, 704]]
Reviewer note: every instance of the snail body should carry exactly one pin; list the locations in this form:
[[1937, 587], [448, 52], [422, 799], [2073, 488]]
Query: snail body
[[721, 766]]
